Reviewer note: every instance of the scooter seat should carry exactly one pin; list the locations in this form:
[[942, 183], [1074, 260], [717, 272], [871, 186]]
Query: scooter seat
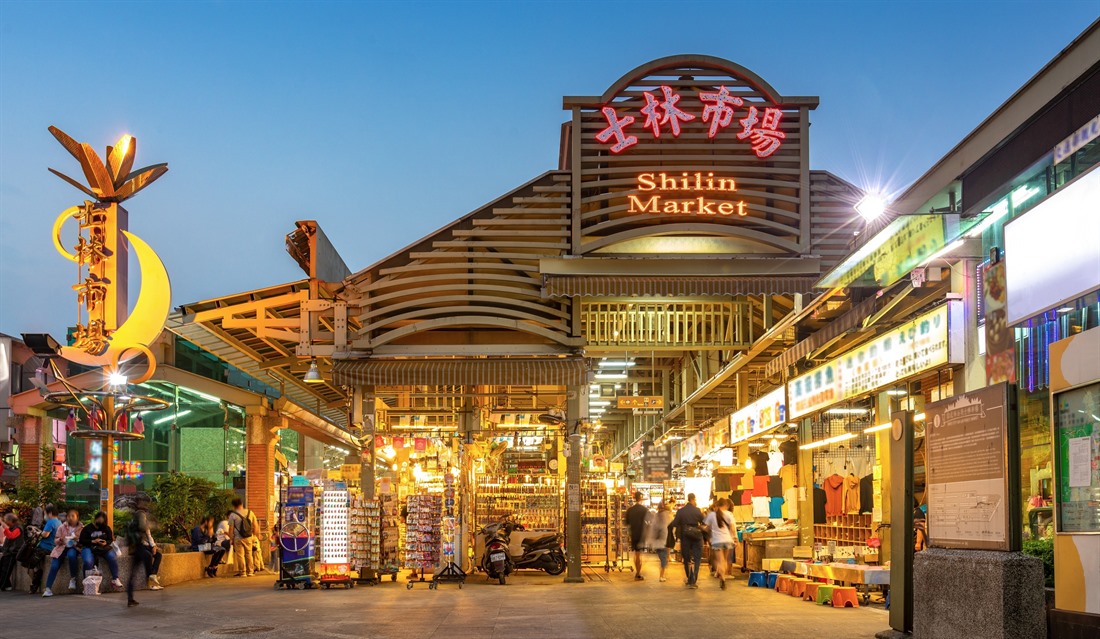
[[531, 541]]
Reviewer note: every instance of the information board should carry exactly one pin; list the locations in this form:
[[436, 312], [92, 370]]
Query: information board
[[967, 440], [657, 462], [1077, 459]]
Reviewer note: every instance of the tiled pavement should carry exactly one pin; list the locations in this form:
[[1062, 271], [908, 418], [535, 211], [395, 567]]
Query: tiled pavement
[[531, 606]]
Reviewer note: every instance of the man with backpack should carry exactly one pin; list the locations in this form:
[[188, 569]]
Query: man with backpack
[[244, 526], [689, 530]]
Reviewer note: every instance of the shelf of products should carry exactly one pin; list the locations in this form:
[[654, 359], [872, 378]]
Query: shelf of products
[[423, 531], [536, 506], [389, 560], [335, 527], [364, 537], [845, 530], [594, 516]]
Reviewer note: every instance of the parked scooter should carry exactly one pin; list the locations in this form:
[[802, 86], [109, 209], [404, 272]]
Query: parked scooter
[[541, 553], [496, 562]]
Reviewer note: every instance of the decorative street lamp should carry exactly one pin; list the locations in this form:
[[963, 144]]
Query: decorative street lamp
[[108, 335]]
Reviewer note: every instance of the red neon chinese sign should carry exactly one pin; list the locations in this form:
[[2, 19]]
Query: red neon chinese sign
[[719, 109]]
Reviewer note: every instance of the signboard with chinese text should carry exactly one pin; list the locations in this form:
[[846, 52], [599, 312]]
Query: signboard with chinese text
[[699, 150], [968, 480], [892, 253], [764, 414], [657, 462], [911, 348]]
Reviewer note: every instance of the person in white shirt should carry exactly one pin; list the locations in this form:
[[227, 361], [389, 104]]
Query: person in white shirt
[[720, 523]]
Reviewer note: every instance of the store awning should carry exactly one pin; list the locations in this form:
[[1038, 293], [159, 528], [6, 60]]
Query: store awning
[[561, 371], [619, 286], [830, 331]]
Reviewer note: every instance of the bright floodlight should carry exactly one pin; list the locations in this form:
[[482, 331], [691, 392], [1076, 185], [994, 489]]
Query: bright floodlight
[[871, 206], [116, 380]]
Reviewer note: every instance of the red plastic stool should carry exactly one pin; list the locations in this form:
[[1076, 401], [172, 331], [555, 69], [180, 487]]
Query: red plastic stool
[[844, 597], [783, 584], [798, 587], [809, 591]]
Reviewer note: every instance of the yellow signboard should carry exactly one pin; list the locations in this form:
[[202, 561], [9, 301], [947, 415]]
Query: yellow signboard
[[641, 402], [904, 351], [891, 254]]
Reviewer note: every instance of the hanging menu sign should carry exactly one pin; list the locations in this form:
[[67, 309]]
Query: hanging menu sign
[[911, 348], [968, 488], [657, 462]]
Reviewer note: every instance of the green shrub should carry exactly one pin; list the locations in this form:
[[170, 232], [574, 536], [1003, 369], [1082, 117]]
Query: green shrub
[[180, 501], [1042, 548]]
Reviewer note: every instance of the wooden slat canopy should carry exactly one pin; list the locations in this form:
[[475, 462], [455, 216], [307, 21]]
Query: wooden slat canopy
[[618, 286], [558, 371]]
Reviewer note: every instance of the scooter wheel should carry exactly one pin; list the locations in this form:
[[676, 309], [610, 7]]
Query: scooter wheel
[[502, 579]]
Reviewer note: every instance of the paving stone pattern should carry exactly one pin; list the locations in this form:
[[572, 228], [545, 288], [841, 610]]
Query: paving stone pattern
[[530, 606]]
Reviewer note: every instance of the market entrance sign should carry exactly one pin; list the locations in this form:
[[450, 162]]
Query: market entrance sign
[[664, 194], [928, 341], [717, 108]]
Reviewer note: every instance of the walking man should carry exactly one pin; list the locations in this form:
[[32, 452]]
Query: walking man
[[687, 524], [636, 517], [243, 525]]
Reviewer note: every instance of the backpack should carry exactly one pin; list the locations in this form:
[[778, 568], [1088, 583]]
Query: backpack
[[245, 529]]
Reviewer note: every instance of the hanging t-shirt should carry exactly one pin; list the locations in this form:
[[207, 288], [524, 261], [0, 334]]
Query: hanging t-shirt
[[775, 487], [775, 508], [790, 503], [789, 475], [760, 485], [775, 462], [789, 449], [819, 506], [759, 460], [761, 507]]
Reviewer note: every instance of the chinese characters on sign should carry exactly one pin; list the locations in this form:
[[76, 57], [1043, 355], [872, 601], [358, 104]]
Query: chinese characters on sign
[[903, 352], [967, 478], [719, 110], [765, 413]]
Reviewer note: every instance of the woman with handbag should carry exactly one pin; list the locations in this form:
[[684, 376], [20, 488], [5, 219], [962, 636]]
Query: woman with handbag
[[688, 524], [661, 538], [97, 541]]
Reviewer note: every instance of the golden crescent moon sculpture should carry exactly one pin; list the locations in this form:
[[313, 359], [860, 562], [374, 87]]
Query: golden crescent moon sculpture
[[147, 319], [58, 223]]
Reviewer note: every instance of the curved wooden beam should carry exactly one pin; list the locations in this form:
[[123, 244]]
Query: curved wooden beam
[[475, 320], [700, 229]]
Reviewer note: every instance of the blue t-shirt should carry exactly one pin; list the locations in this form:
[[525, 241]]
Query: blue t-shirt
[[51, 527]]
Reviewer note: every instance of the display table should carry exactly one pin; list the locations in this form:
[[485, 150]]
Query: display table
[[774, 565], [860, 576], [847, 573], [767, 545]]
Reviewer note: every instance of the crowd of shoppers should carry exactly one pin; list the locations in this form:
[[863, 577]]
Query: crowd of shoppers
[[661, 531]]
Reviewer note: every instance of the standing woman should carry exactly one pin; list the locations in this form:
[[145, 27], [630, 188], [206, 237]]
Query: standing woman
[[144, 547], [661, 539], [720, 522]]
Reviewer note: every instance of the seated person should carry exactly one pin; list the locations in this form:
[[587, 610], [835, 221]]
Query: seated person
[[66, 549], [205, 539], [96, 542], [13, 540]]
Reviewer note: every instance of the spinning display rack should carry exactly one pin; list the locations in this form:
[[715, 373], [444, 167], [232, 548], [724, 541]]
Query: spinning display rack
[[423, 532], [594, 538]]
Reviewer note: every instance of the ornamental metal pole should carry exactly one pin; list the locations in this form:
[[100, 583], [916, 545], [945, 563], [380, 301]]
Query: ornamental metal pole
[[573, 487]]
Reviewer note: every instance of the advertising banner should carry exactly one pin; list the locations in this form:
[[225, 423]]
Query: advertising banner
[[905, 351], [765, 413], [657, 463]]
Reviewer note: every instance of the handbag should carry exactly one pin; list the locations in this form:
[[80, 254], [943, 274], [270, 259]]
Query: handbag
[[206, 547], [693, 532], [92, 582]]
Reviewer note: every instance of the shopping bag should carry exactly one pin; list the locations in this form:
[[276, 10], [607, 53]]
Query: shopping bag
[[92, 581], [228, 561]]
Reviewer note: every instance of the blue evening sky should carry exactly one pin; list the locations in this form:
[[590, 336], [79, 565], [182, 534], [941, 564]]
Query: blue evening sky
[[385, 121]]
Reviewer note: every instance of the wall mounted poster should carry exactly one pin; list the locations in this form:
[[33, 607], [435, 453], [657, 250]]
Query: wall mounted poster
[[967, 438], [1077, 437]]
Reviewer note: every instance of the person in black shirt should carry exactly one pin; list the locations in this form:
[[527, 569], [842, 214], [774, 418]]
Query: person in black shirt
[[96, 542], [686, 524], [636, 517]]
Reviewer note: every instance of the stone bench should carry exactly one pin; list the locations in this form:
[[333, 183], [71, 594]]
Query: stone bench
[[176, 567]]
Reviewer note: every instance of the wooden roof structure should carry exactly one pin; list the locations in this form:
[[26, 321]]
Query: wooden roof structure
[[561, 269]]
